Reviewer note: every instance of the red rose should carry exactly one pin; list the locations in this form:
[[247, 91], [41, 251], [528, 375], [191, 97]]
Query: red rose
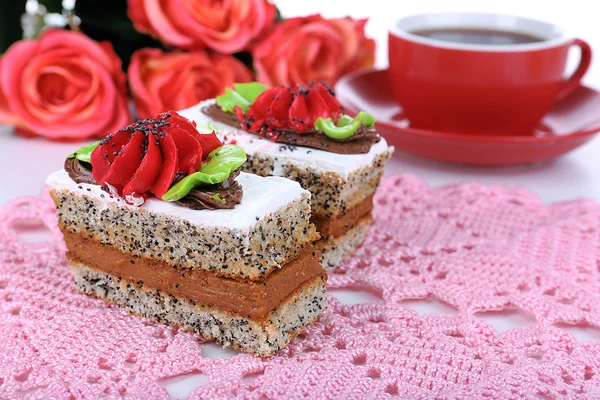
[[174, 81], [225, 26], [63, 85], [304, 49]]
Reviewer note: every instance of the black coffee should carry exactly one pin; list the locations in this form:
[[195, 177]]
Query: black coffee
[[478, 36]]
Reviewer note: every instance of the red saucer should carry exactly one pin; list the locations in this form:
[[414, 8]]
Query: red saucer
[[571, 122]]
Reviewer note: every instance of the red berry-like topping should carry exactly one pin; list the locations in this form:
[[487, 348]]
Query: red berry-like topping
[[286, 108], [145, 156]]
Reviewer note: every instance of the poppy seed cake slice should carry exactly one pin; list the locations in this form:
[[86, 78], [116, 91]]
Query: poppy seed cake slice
[[340, 184], [263, 336], [268, 229], [246, 277], [337, 182]]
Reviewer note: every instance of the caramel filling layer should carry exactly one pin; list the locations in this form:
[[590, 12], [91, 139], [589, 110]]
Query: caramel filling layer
[[334, 227], [246, 298]]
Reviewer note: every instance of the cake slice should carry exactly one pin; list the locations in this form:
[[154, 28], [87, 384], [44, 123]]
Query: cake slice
[[342, 171], [227, 256]]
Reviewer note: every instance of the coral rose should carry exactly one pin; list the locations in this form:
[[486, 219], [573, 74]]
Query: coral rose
[[304, 49], [225, 26], [174, 81], [63, 86]]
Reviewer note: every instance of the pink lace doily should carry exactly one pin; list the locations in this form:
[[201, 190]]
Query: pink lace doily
[[473, 247]]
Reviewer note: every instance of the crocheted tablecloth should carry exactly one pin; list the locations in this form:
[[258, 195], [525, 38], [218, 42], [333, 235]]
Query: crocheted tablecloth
[[473, 247]]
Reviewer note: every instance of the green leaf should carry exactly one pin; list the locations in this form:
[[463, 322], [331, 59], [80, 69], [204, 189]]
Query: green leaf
[[346, 126], [230, 99], [85, 152], [366, 119], [243, 96], [250, 91], [344, 120], [223, 161]]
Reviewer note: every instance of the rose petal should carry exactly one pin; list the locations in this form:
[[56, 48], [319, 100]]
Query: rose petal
[[280, 107], [103, 156], [162, 81], [258, 109], [6, 114], [168, 169], [189, 150], [299, 50], [316, 107], [299, 114], [78, 43], [137, 14], [145, 102], [65, 86], [148, 171], [126, 162], [209, 142], [118, 118], [184, 123], [13, 62], [87, 121], [227, 26], [163, 26], [334, 107]]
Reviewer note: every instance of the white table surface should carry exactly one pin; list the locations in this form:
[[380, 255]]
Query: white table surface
[[25, 163]]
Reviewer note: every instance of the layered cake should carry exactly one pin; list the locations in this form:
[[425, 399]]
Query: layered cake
[[303, 134], [158, 218]]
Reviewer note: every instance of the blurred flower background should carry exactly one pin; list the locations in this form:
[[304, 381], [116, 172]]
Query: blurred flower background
[[76, 70]]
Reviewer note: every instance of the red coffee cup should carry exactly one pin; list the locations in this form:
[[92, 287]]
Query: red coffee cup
[[480, 88]]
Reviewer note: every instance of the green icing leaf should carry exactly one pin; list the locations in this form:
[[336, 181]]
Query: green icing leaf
[[336, 132], [346, 126], [243, 96], [230, 99], [250, 91], [344, 120], [84, 153], [367, 119], [223, 161]]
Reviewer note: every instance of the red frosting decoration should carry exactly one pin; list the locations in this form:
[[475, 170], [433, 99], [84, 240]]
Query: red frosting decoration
[[283, 108], [144, 157]]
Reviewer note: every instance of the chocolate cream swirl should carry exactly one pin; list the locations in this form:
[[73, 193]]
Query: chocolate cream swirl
[[79, 171], [359, 143], [223, 195]]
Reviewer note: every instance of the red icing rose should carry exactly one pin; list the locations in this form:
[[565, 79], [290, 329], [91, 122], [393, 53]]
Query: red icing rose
[[145, 156], [284, 108]]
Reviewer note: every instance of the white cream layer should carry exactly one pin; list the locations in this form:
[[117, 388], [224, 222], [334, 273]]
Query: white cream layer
[[262, 196], [304, 157]]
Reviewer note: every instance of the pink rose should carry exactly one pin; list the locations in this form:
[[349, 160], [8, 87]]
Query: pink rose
[[225, 26], [174, 81], [304, 49], [63, 86]]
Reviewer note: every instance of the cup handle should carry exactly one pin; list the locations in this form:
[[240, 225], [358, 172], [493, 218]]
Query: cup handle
[[584, 63]]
